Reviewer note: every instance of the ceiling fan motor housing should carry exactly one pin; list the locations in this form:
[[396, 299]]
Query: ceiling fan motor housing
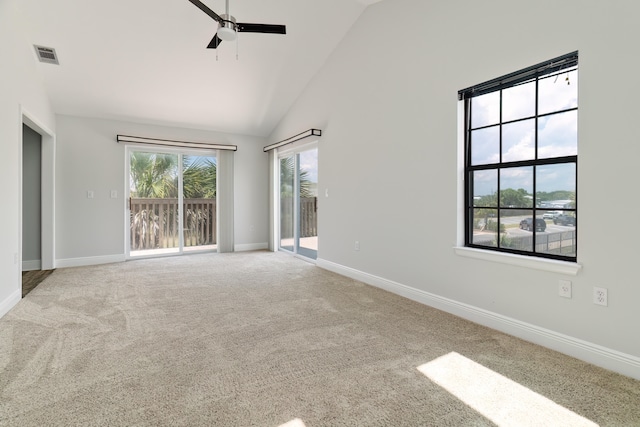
[[227, 28]]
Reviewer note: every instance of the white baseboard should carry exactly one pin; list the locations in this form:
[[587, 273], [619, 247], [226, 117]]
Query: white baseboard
[[31, 265], [10, 302], [85, 261], [251, 247], [613, 360]]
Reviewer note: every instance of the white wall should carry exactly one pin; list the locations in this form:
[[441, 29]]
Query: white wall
[[89, 158], [388, 107], [20, 87]]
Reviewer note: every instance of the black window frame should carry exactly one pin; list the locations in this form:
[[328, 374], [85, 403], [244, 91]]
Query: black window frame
[[556, 66]]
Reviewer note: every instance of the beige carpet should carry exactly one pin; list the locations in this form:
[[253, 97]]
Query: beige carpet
[[264, 339]]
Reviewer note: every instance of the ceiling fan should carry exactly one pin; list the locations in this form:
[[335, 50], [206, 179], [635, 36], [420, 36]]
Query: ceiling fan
[[228, 27]]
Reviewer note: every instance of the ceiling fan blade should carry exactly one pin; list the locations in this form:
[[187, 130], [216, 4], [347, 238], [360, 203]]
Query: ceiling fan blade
[[244, 27], [206, 10], [214, 43]]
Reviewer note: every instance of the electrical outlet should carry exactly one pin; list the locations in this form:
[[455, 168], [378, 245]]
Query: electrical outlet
[[564, 288], [356, 246], [600, 296]]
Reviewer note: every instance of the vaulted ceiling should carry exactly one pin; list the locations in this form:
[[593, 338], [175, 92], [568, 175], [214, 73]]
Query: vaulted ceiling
[[146, 60]]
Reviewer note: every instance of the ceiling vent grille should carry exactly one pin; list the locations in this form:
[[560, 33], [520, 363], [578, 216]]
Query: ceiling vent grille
[[46, 54]]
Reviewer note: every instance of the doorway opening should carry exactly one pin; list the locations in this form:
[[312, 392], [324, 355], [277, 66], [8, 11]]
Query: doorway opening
[[36, 254], [31, 199]]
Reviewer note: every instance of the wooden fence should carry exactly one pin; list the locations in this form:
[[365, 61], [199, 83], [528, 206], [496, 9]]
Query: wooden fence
[[154, 223], [308, 217]]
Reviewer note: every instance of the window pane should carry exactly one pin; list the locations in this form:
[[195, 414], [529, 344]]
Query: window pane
[[519, 102], [556, 93], [560, 236], [155, 226], [517, 236], [308, 204], [199, 202], [287, 179], [518, 141], [485, 227], [558, 135], [516, 187], [556, 186], [485, 110], [485, 146], [485, 185]]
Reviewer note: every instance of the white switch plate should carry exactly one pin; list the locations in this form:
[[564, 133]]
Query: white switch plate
[[564, 288], [90, 194], [114, 194]]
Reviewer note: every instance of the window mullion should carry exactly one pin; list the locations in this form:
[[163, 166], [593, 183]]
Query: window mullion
[[468, 176], [535, 169]]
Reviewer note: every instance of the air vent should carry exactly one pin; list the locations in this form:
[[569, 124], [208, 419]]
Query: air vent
[[46, 54]]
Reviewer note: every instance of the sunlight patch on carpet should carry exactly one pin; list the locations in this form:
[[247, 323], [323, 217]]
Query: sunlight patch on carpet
[[297, 422], [499, 399]]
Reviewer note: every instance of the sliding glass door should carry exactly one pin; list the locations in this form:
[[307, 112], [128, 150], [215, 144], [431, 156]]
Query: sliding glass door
[[153, 203], [299, 202], [199, 202], [172, 202]]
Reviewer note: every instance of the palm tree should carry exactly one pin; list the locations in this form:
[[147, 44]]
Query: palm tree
[[199, 177], [154, 175], [287, 175]]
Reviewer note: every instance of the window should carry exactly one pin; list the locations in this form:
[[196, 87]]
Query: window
[[521, 159]]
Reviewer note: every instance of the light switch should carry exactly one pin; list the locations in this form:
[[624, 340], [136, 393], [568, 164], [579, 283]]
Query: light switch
[[90, 194], [114, 194]]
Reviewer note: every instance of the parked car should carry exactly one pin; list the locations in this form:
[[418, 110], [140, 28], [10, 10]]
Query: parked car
[[551, 214], [527, 224], [565, 220]]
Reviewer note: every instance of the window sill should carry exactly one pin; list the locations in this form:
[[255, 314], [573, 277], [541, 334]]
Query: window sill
[[561, 267]]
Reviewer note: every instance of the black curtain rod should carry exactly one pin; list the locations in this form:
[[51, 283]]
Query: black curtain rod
[[173, 143], [563, 62], [298, 137]]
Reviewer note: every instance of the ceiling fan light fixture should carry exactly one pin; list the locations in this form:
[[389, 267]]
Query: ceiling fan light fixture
[[226, 34], [227, 28]]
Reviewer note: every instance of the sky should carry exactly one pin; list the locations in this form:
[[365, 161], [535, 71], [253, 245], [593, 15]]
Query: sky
[[309, 163], [557, 134]]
